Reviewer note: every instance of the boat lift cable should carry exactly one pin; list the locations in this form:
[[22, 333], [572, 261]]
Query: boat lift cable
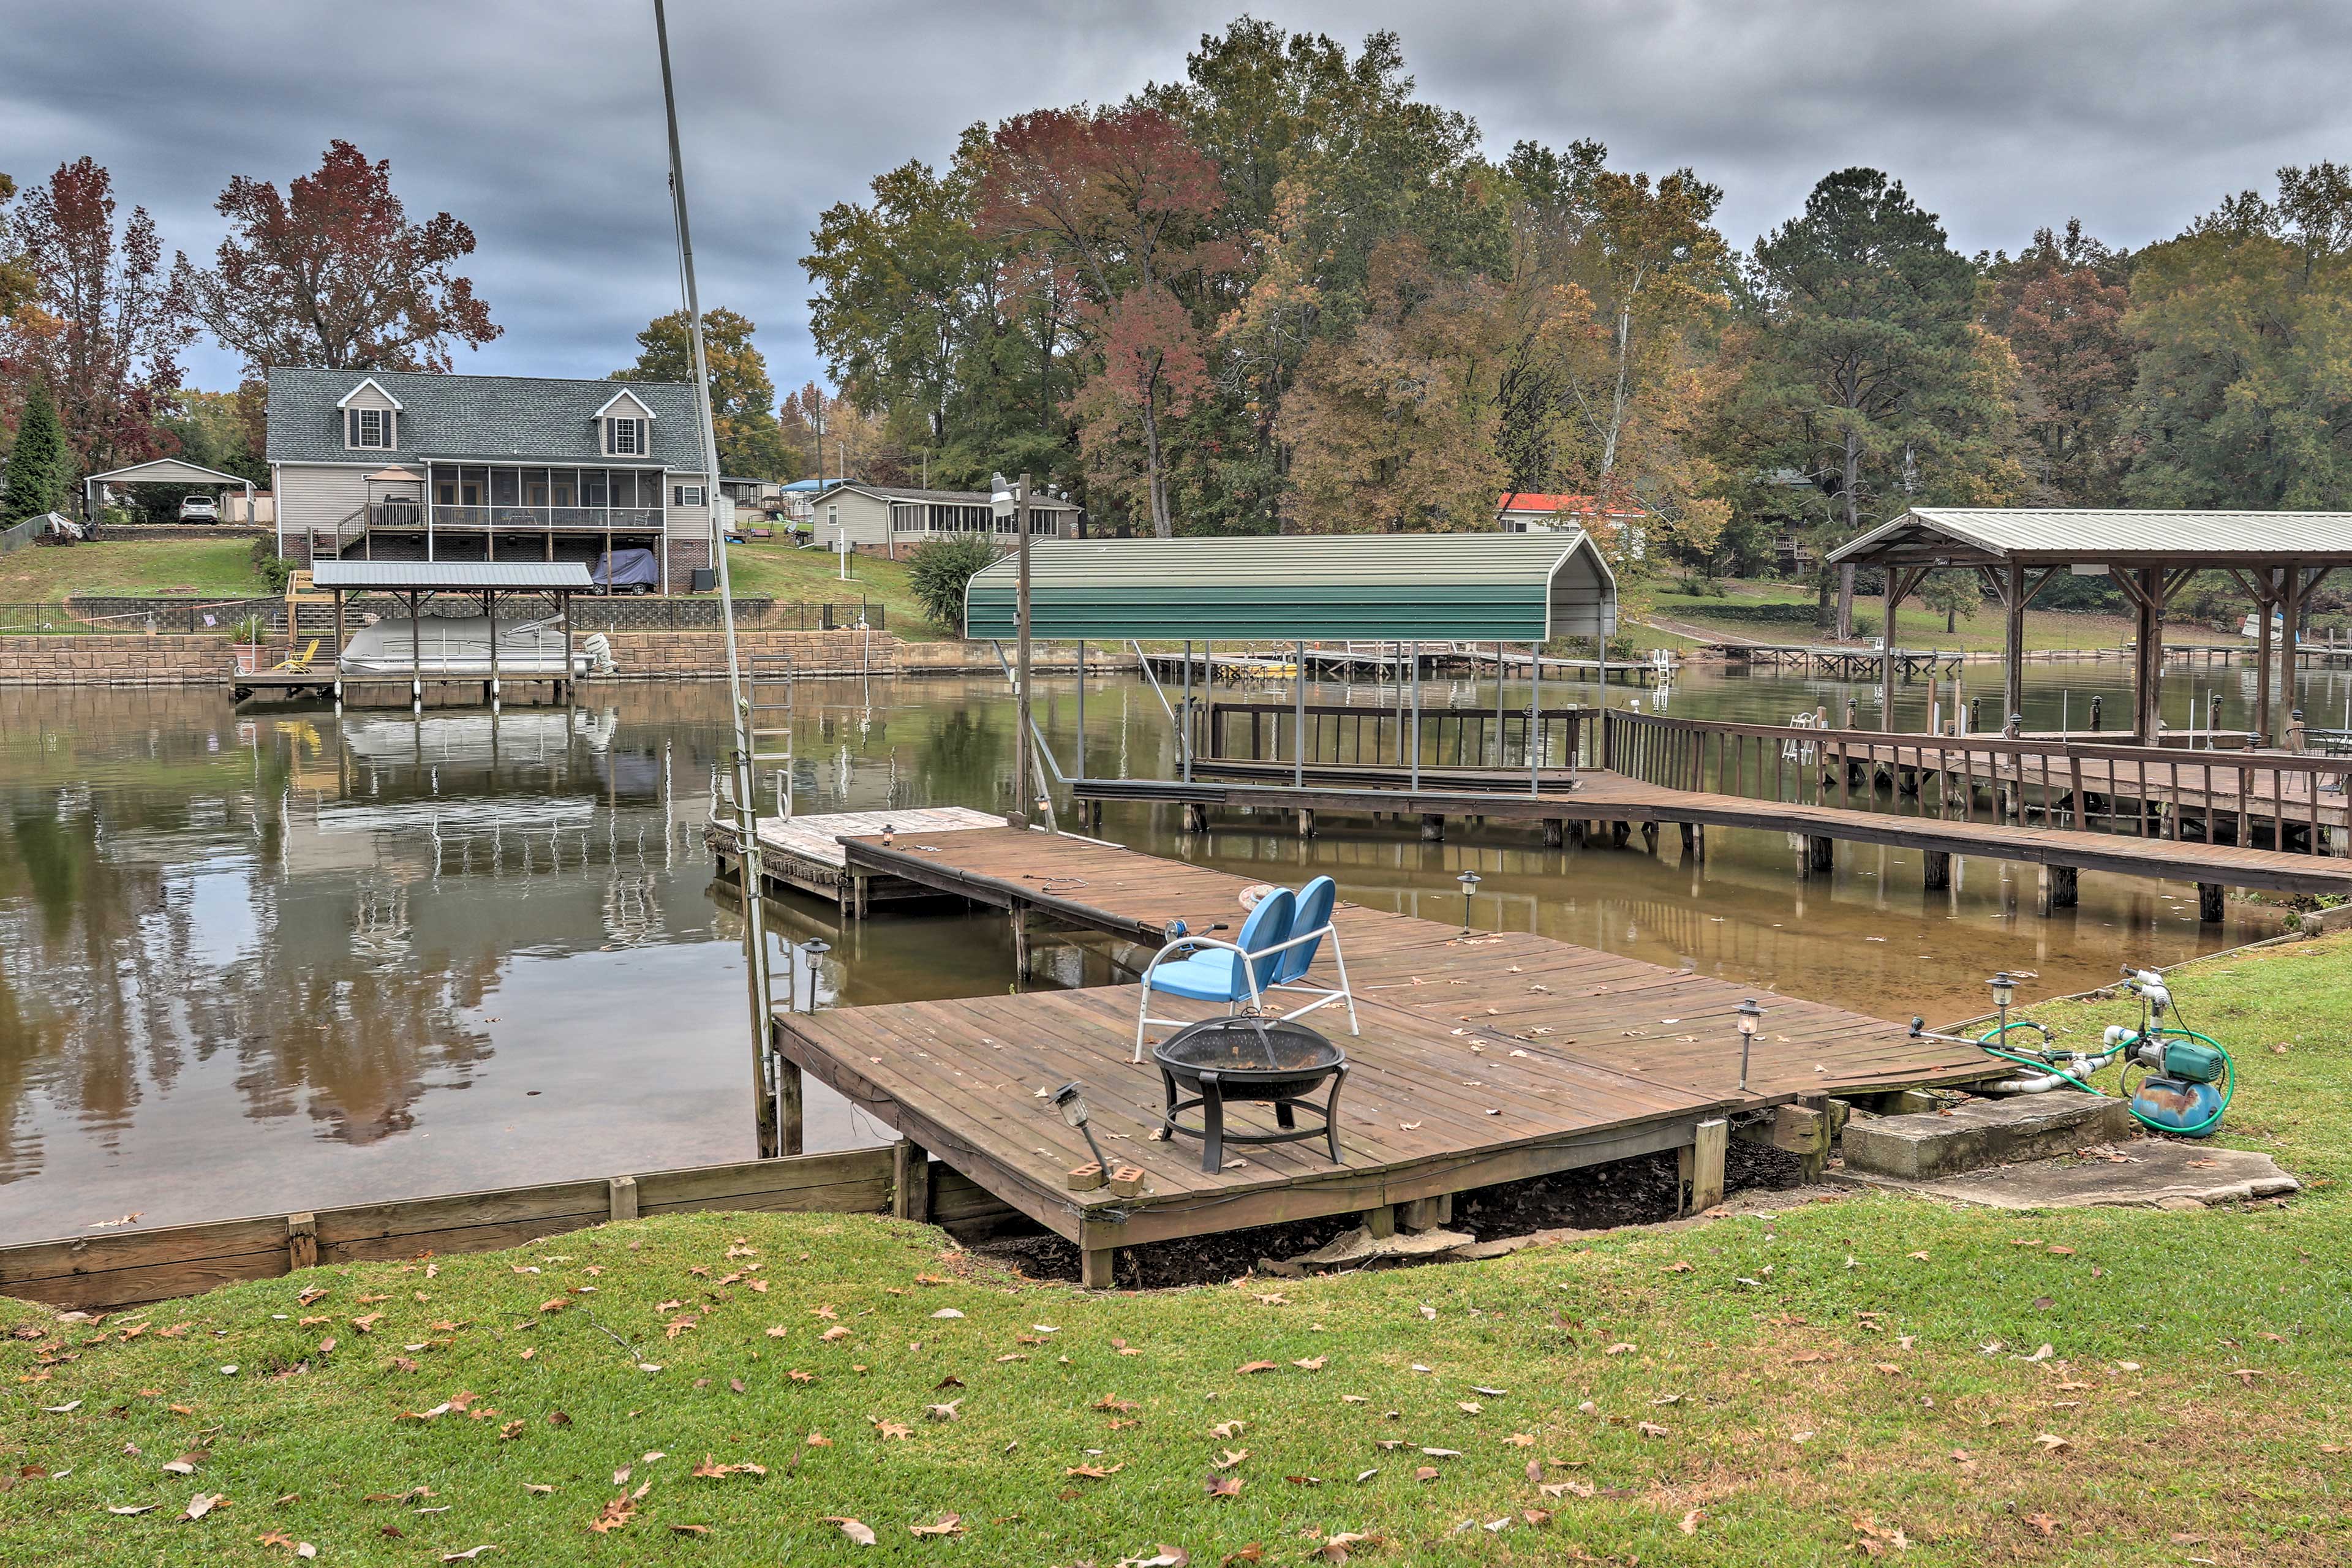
[[747, 838]]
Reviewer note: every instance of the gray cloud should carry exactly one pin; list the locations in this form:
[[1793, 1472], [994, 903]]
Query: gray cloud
[[541, 123]]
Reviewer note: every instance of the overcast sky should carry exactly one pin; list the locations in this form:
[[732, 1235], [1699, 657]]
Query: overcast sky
[[540, 123]]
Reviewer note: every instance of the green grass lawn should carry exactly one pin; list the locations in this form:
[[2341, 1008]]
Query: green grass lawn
[[779, 570], [1873, 1377], [201, 568], [1761, 612]]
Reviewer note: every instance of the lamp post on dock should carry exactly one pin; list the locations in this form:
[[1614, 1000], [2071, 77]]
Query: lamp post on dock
[[1469, 880], [1751, 1016]]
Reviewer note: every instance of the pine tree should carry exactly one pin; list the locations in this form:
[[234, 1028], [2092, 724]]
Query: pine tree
[[37, 476]]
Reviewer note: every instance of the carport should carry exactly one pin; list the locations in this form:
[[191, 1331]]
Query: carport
[[161, 471]]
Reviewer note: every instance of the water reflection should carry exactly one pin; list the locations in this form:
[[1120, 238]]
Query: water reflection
[[294, 959]]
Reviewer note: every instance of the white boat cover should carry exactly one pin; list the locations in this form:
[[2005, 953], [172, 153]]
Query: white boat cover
[[460, 645]]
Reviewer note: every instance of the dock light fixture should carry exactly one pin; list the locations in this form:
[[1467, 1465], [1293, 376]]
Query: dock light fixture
[[1751, 1016], [812, 952], [1070, 1101], [2004, 992], [1469, 880]]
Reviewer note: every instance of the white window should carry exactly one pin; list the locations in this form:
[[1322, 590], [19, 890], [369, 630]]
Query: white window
[[625, 437], [370, 427], [685, 495]]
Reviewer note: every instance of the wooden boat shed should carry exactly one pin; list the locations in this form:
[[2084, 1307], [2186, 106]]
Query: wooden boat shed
[[2278, 557]]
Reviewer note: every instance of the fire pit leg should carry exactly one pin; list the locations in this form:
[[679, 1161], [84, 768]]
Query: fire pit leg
[[1213, 1123], [1332, 1111]]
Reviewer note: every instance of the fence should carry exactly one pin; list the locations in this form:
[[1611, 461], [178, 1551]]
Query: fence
[[16, 536], [136, 616], [2279, 800]]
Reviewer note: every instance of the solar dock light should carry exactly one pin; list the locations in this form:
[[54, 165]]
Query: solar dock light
[[1469, 880], [2004, 992], [1751, 1016], [811, 952], [1070, 1102]]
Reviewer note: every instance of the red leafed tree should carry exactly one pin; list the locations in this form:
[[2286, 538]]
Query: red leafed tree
[[332, 274], [105, 324], [1124, 200]]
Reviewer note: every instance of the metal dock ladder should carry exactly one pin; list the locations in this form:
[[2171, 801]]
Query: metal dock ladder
[[767, 697]]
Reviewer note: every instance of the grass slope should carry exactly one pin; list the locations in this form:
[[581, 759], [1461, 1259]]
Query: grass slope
[[1863, 1378], [781, 571], [200, 567]]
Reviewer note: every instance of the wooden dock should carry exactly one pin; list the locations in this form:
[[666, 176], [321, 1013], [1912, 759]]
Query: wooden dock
[[1483, 1058], [803, 854]]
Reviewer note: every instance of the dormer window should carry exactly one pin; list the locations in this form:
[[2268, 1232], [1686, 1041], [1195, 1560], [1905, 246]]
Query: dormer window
[[372, 429], [625, 437]]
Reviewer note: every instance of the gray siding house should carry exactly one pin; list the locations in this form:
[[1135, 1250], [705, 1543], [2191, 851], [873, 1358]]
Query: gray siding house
[[405, 466], [886, 519]]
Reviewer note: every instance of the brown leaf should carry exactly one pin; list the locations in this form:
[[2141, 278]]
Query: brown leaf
[[1255, 1366], [689, 1529], [1312, 1363], [942, 1412], [1620, 1349], [1228, 1430], [558, 1418], [511, 1431], [2042, 1522], [1689, 1525], [1335, 1548], [554, 1304], [1224, 1485], [1424, 1473], [2053, 1443], [852, 1529], [1227, 1459], [948, 1524], [204, 1503], [838, 1332], [889, 1430], [538, 1489], [1650, 1429], [1095, 1472], [468, 1555], [1108, 1403], [367, 1325], [615, 1513]]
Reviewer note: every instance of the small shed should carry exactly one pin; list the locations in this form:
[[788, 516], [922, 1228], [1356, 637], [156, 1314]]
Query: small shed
[[162, 471]]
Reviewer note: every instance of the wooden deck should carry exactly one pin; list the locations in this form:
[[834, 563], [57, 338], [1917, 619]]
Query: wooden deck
[[1481, 1060], [805, 853], [1606, 796]]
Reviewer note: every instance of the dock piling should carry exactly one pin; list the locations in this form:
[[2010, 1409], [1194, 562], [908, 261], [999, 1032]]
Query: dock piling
[[2209, 903], [1701, 1163], [302, 1241], [1936, 869], [622, 1197], [910, 1181]]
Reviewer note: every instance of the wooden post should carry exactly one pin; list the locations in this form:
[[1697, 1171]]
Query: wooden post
[[1432, 828], [2209, 902], [2058, 888], [1555, 832], [1821, 852], [1095, 1267], [910, 1181], [2012, 647], [302, 1241], [1650, 835], [622, 1195], [1700, 1165], [1019, 919], [2147, 668], [791, 1105], [1936, 869], [1196, 817], [1423, 1214], [1306, 822], [1381, 1223], [2266, 602], [2289, 632]]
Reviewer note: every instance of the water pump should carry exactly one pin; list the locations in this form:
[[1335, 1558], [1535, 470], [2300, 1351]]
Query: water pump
[[2187, 1079]]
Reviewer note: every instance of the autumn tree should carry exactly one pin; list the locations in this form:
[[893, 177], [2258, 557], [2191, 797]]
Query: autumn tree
[[105, 323], [2241, 398], [742, 399], [17, 283], [332, 274], [2062, 304], [842, 440], [1395, 428], [1123, 199], [1872, 382]]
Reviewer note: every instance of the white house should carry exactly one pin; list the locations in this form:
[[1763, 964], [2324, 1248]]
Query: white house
[[887, 518], [407, 466]]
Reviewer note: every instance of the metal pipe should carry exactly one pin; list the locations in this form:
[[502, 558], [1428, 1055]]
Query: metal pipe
[[1298, 718], [1535, 717], [1414, 656], [1184, 734]]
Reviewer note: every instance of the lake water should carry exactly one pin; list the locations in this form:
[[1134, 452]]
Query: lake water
[[288, 959]]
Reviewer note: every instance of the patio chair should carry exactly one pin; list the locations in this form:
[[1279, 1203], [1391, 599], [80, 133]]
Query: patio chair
[[1309, 926], [1207, 970], [301, 663]]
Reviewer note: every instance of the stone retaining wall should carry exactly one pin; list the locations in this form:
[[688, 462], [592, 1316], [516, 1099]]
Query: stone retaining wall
[[113, 660], [130, 533]]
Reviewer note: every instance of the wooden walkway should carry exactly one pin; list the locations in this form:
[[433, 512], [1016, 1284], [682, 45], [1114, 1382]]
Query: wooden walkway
[[1611, 797], [805, 853], [1482, 1059]]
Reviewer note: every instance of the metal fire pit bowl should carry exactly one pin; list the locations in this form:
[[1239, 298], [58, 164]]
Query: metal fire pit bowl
[[1259, 1060]]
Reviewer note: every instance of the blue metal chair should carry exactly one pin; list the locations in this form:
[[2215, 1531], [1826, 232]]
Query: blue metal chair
[[1207, 970], [1308, 927]]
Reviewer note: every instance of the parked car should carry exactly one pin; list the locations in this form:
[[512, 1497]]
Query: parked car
[[626, 571], [199, 508]]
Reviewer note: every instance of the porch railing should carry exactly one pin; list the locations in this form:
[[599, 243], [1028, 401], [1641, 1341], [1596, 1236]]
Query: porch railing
[[412, 515]]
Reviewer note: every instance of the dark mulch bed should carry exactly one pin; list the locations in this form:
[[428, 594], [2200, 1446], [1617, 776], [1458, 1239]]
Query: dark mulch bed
[[1641, 1191]]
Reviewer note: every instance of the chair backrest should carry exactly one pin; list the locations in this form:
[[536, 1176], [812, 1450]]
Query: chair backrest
[[1314, 913], [1268, 923]]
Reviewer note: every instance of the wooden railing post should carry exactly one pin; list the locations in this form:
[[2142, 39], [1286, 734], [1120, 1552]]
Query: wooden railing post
[[302, 1241]]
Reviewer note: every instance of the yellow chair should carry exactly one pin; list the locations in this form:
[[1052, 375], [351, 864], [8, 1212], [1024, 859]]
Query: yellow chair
[[301, 663]]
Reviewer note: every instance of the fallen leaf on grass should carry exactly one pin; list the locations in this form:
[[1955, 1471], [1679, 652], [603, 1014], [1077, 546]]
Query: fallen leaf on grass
[[1619, 1350], [1312, 1363], [465, 1556], [614, 1514], [1228, 1458], [1335, 1548], [204, 1503], [1095, 1472], [136, 1508], [1255, 1366], [889, 1430], [1225, 1487], [1650, 1429], [2042, 1522], [1424, 1472], [942, 1412], [538, 1489], [1689, 1525], [690, 1530], [852, 1529], [948, 1524], [2053, 1443]]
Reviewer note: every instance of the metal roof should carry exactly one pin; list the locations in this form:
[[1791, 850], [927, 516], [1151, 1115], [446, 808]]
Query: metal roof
[[434, 576], [539, 418], [169, 471], [1508, 587], [2040, 536]]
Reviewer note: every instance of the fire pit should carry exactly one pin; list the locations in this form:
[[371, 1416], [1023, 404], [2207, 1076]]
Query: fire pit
[[1259, 1060]]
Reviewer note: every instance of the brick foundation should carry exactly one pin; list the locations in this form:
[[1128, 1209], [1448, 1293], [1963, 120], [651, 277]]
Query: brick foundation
[[658, 655], [113, 661], [685, 555]]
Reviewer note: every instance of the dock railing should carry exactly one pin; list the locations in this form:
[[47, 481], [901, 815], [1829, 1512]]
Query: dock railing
[[2275, 799]]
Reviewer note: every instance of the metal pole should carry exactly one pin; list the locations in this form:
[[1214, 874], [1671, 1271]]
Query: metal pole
[[1498, 703], [1414, 656], [1184, 735], [1535, 717], [1082, 711], [747, 837], [1022, 790], [1298, 720]]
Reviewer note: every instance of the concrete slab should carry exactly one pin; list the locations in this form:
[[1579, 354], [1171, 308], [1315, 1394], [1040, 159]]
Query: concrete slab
[[1980, 1133], [2145, 1173]]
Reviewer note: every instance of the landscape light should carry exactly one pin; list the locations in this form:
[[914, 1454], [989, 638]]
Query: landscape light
[[1751, 1016], [1469, 880], [1070, 1101], [2004, 992]]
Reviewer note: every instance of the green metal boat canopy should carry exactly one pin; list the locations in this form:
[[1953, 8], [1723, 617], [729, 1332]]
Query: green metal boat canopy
[[1424, 587]]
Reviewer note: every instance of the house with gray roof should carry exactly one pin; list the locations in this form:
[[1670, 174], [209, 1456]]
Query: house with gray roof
[[399, 466], [890, 519]]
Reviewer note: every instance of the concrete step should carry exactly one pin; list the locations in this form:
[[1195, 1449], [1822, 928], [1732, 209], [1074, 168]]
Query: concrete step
[[1982, 1132]]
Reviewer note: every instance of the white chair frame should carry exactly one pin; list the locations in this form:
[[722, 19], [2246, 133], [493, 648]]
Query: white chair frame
[[1324, 995]]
